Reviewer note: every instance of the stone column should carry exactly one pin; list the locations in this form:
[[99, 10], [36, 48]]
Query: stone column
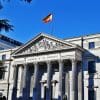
[[74, 80], [25, 94], [67, 85], [35, 87], [60, 80], [80, 79], [49, 76], [20, 81], [14, 93], [32, 84]]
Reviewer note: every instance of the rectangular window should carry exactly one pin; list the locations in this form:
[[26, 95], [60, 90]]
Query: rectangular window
[[91, 67], [91, 45], [2, 73], [4, 57]]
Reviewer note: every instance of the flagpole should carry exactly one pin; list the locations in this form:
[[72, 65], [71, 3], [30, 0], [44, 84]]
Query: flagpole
[[52, 27], [50, 21], [52, 24]]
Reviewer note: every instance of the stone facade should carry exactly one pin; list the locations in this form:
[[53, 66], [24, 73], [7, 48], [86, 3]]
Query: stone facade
[[47, 68]]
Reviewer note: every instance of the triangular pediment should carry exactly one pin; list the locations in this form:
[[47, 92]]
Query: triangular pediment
[[43, 43]]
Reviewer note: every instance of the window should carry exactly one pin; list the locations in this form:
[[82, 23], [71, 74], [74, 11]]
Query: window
[[2, 73], [91, 45], [4, 57], [91, 67]]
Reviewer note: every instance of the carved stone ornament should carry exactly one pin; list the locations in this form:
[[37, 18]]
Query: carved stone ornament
[[44, 45]]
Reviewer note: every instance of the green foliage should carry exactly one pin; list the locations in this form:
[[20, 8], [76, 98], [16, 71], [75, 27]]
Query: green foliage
[[4, 25]]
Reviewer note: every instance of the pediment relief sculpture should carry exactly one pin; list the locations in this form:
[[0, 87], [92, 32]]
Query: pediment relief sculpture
[[44, 45]]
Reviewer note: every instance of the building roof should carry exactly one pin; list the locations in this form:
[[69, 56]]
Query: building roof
[[10, 40], [83, 36]]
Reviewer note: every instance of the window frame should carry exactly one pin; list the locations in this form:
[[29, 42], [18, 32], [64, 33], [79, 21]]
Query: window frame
[[2, 74], [91, 45], [4, 57]]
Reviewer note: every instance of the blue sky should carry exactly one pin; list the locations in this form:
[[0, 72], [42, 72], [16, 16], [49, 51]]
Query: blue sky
[[70, 18]]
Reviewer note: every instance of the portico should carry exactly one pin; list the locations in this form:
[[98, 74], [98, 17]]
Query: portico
[[50, 69]]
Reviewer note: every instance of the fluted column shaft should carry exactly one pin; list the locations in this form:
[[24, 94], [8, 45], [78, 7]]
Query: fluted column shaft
[[25, 92], [74, 80], [36, 72], [14, 92], [20, 70], [60, 80], [49, 76], [67, 86], [80, 85]]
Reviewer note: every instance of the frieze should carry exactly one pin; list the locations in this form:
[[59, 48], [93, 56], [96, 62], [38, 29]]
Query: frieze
[[41, 58]]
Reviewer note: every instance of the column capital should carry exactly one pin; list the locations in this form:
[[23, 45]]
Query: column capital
[[48, 62], [15, 65], [60, 60], [24, 64], [35, 63], [74, 60]]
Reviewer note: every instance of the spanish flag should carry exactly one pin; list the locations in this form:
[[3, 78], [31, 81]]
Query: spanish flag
[[48, 18]]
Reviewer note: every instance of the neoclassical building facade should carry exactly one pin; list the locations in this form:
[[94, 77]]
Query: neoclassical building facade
[[48, 68]]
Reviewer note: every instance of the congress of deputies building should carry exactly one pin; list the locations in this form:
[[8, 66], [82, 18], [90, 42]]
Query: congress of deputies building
[[48, 68]]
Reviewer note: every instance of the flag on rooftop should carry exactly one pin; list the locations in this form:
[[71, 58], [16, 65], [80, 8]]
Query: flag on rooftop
[[48, 18]]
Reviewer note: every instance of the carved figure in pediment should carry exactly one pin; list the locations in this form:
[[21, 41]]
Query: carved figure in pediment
[[44, 44]]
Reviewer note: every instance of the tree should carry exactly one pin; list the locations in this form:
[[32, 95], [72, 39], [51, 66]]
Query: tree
[[4, 25]]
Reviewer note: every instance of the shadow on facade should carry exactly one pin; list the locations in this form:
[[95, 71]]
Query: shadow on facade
[[92, 72], [66, 84], [3, 98]]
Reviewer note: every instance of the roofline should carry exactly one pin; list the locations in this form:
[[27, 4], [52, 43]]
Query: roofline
[[7, 50], [81, 36], [10, 39], [45, 35]]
